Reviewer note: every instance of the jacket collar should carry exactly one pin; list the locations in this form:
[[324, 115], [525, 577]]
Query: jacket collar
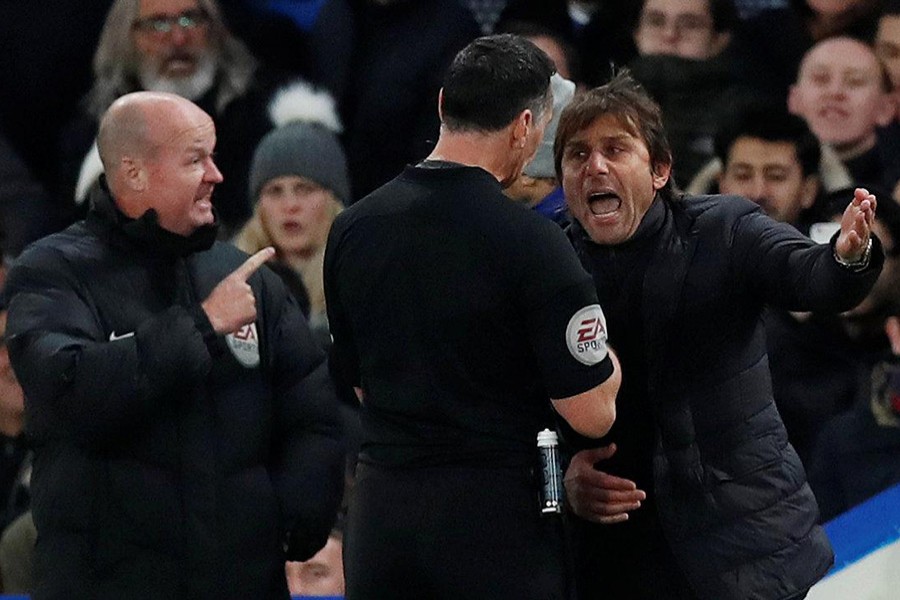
[[143, 235]]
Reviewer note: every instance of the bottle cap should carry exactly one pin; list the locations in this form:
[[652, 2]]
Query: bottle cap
[[547, 438]]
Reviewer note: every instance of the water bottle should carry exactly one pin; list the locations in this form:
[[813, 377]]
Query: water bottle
[[551, 490]]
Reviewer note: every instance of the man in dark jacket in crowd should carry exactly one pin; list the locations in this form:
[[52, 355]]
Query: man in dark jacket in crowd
[[725, 510], [186, 434], [686, 62]]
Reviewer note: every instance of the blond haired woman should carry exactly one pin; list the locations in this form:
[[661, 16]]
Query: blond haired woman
[[298, 182]]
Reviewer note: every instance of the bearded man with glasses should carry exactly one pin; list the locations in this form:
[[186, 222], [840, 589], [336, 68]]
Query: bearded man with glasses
[[182, 47]]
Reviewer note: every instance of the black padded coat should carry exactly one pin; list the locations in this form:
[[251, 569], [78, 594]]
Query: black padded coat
[[170, 462], [732, 497]]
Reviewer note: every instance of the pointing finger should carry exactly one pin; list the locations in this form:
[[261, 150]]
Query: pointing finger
[[253, 263]]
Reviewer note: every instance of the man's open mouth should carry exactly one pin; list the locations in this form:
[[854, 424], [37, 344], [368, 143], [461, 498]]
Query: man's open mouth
[[604, 203]]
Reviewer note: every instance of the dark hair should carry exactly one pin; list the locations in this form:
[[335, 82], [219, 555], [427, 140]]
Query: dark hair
[[626, 100], [891, 8], [723, 12], [531, 30], [771, 123], [492, 80]]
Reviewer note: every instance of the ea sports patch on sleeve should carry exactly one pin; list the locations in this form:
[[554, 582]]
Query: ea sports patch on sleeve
[[586, 335]]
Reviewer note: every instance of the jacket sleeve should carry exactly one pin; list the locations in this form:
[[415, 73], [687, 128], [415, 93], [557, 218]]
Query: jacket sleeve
[[308, 469], [80, 386], [788, 270]]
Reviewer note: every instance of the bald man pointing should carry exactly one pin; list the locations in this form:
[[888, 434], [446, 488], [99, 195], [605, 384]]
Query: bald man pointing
[[186, 433]]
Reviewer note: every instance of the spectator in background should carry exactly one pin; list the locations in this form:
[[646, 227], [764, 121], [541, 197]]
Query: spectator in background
[[185, 430], [752, 119], [774, 35], [887, 41], [685, 65], [298, 183], [537, 187], [842, 92], [183, 47], [772, 158], [887, 48], [323, 574], [697, 29]]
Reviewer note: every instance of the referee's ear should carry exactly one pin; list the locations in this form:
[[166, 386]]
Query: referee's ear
[[519, 128]]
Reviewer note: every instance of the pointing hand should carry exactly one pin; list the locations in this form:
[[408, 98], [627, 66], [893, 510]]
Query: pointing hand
[[231, 304]]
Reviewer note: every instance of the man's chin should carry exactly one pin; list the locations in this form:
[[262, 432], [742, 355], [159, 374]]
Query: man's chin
[[202, 216], [188, 79]]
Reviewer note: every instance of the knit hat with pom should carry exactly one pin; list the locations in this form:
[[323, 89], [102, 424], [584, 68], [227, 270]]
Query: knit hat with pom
[[304, 142], [541, 166]]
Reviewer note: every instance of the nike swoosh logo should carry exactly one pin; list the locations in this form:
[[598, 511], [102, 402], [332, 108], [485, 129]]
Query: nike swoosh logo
[[113, 337]]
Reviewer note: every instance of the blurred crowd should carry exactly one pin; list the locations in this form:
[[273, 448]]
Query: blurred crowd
[[316, 103]]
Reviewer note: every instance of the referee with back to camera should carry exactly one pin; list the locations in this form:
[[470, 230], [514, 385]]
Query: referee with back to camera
[[463, 321]]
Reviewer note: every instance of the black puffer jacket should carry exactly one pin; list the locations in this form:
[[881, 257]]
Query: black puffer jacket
[[169, 462], [731, 493]]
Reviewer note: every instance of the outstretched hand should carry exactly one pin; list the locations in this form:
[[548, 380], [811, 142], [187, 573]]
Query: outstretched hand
[[856, 226], [597, 496], [231, 304]]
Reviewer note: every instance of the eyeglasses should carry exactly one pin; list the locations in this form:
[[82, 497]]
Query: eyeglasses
[[685, 24], [161, 25]]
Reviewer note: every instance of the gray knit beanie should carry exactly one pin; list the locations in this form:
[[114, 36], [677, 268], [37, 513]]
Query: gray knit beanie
[[304, 149], [541, 165], [303, 143]]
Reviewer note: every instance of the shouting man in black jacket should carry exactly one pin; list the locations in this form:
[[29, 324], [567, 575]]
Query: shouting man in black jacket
[[186, 434], [702, 497]]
